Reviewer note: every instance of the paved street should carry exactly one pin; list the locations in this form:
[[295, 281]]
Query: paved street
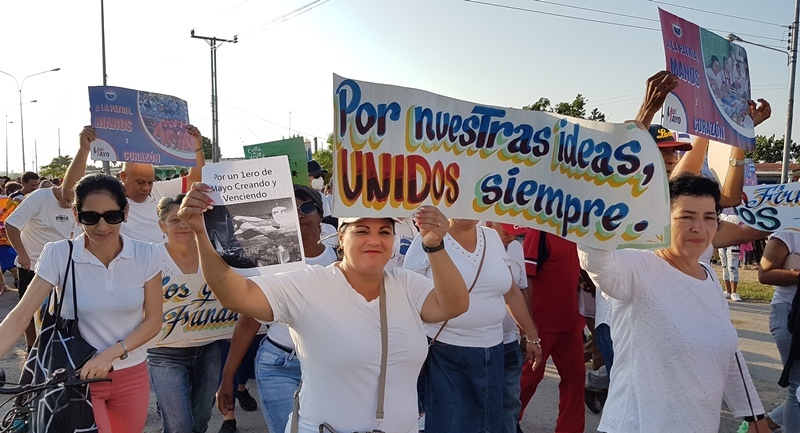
[[750, 319]]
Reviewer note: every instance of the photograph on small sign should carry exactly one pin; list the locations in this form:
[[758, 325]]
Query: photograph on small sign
[[255, 234]]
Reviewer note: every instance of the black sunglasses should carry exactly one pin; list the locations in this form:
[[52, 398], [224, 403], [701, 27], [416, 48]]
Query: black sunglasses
[[308, 208], [90, 218]]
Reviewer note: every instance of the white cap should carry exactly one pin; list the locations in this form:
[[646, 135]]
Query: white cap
[[351, 220]]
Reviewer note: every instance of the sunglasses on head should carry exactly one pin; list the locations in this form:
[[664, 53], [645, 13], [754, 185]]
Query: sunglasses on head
[[90, 218], [308, 208]]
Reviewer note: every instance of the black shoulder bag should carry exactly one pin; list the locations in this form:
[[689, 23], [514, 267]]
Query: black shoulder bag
[[60, 345]]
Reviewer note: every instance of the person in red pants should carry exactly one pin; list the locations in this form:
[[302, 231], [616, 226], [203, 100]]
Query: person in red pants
[[551, 264]]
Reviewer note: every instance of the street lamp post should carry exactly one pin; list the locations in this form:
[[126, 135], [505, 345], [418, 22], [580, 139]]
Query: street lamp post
[[7, 122], [21, 124]]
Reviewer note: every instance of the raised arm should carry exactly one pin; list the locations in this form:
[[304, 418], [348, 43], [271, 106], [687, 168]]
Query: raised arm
[[608, 272], [196, 173], [77, 168], [449, 298], [234, 291], [658, 87]]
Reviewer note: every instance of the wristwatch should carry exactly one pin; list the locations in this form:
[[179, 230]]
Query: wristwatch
[[433, 249], [735, 162], [124, 347]]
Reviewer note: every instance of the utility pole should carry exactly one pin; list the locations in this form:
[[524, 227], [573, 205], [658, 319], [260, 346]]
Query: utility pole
[[106, 164], [35, 157], [7, 122], [212, 42], [787, 138]]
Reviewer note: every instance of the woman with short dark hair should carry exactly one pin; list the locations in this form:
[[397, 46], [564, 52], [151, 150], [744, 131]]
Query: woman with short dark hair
[[675, 348]]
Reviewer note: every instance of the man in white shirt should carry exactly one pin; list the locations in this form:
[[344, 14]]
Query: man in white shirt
[[140, 186], [44, 216]]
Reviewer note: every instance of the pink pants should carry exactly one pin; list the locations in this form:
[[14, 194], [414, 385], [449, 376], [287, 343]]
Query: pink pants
[[120, 406]]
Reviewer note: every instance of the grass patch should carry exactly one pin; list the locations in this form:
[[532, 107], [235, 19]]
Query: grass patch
[[749, 288]]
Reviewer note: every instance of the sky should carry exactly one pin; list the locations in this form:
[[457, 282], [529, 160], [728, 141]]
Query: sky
[[277, 80]]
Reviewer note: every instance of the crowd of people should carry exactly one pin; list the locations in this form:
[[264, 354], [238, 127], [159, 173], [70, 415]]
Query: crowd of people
[[432, 323]]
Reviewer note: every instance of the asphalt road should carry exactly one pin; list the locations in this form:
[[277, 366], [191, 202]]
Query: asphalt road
[[750, 319]]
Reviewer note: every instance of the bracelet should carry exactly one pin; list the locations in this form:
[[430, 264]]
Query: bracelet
[[199, 149], [536, 342], [124, 347], [751, 419], [433, 249]]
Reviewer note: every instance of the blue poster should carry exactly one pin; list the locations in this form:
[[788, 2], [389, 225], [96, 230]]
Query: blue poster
[[138, 126]]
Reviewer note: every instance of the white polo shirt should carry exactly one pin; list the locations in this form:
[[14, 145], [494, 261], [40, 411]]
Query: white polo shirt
[[110, 300], [41, 219], [142, 223]]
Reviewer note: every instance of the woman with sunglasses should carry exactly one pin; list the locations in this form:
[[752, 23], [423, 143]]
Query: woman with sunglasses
[[334, 317], [182, 375], [118, 287], [277, 365]]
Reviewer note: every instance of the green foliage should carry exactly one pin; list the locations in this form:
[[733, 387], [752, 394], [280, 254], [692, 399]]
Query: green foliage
[[576, 108], [208, 148], [56, 168], [771, 150], [325, 159]]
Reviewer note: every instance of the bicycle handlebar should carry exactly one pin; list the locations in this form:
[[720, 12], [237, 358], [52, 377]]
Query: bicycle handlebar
[[58, 378]]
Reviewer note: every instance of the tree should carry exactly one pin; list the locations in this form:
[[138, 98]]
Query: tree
[[208, 148], [325, 159], [57, 167], [576, 108], [771, 150]]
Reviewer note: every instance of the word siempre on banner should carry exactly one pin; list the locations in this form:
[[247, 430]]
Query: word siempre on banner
[[399, 148]]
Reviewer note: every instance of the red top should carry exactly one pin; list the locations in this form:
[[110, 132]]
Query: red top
[[554, 291]]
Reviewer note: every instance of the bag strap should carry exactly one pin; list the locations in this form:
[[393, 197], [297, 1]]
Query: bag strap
[[472, 286], [381, 376], [60, 303], [384, 354]]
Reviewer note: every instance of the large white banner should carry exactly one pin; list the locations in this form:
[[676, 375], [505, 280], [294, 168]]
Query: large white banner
[[597, 184]]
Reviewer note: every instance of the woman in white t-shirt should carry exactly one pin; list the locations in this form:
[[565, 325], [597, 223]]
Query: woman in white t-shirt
[[277, 369], [462, 382], [118, 286], [334, 317], [780, 267], [675, 349], [183, 375]]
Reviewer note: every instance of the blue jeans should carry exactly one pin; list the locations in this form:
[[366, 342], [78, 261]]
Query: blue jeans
[[277, 377], [464, 389], [511, 387], [184, 380], [602, 336], [778, 326]]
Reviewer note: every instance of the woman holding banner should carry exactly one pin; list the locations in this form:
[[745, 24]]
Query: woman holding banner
[[462, 384], [277, 367], [183, 375], [676, 355], [335, 314]]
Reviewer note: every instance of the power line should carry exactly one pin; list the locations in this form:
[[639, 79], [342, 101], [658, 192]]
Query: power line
[[596, 10], [718, 13], [287, 16], [603, 21], [278, 124], [561, 15]]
